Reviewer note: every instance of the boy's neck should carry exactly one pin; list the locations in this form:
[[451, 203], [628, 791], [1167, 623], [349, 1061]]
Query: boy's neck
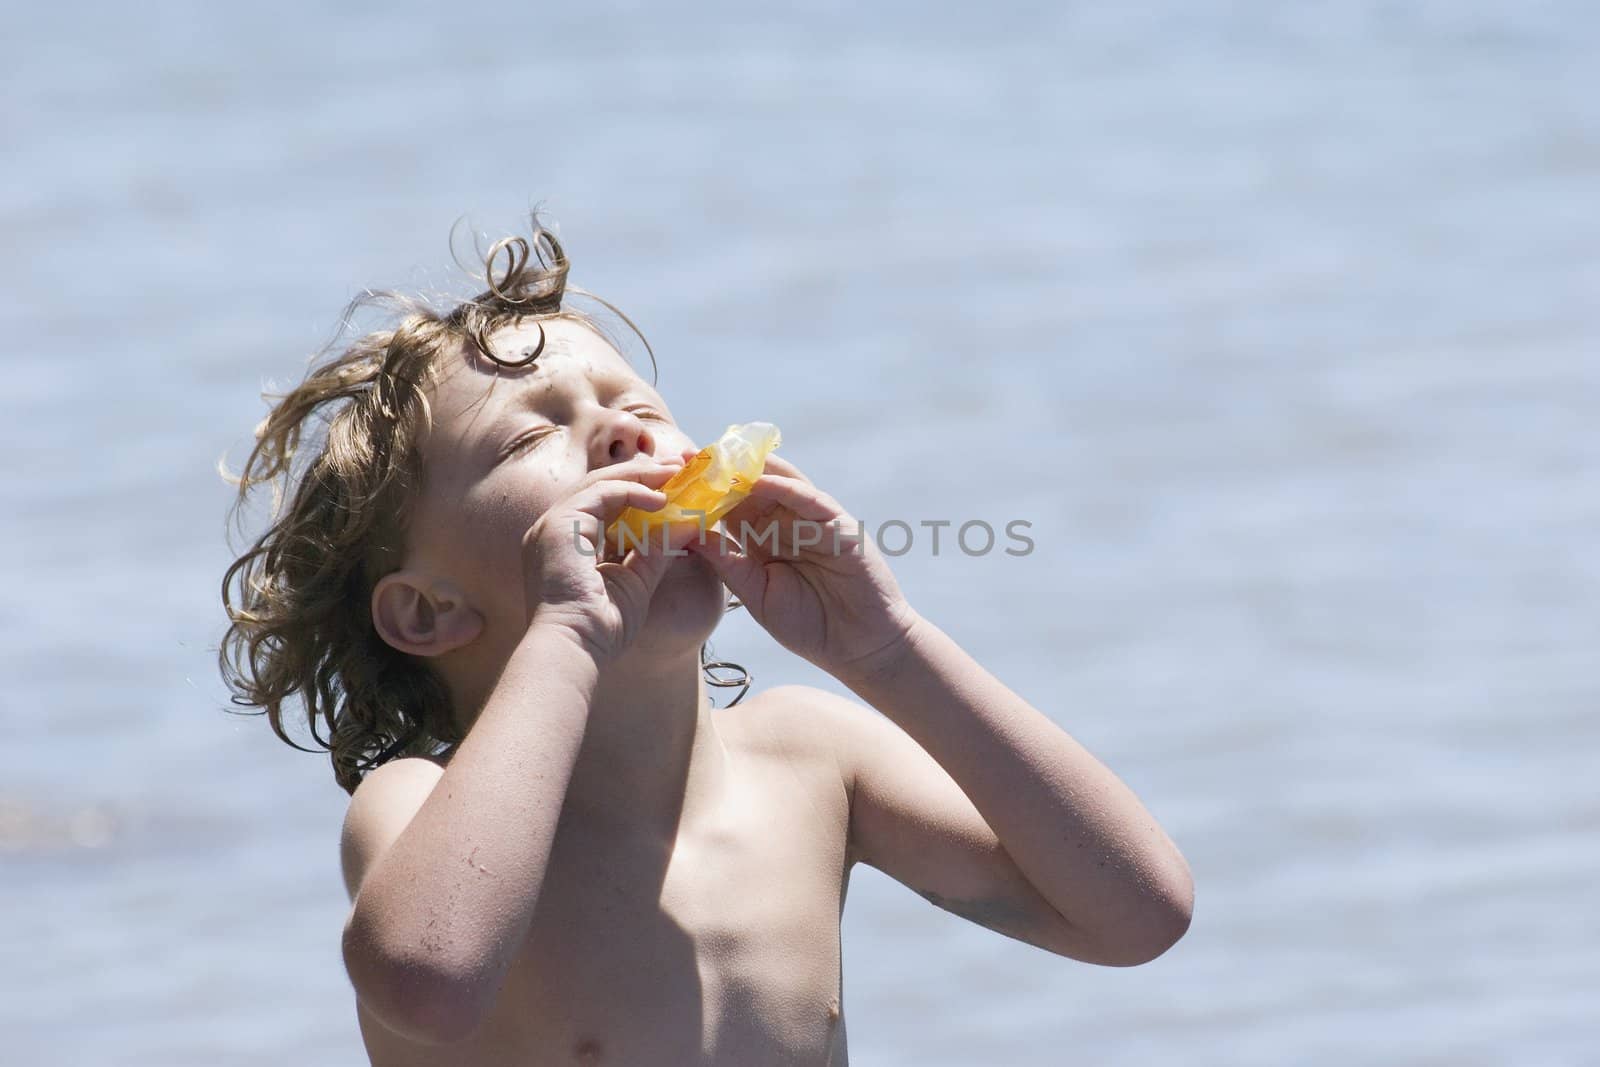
[[650, 760]]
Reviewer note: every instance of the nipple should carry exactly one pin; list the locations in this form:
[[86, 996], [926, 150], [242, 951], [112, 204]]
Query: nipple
[[710, 486]]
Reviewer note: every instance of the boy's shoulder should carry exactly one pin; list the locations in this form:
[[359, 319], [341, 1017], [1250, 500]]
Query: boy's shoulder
[[798, 722], [783, 717], [381, 807]]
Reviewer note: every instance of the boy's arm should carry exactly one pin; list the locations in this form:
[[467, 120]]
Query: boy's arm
[[446, 867], [987, 808]]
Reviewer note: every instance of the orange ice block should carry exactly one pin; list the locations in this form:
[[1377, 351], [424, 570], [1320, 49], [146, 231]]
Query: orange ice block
[[709, 487]]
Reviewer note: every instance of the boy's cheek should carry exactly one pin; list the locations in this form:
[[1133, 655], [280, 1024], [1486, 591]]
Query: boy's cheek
[[671, 441]]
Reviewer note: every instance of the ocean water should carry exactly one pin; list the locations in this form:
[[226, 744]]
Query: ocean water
[[1279, 324]]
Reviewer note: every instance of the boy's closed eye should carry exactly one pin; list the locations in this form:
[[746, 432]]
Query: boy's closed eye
[[528, 441]]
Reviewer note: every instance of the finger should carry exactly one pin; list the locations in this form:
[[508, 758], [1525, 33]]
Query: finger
[[587, 512], [608, 499], [751, 511], [641, 468], [666, 538], [776, 464], [744, 575], [800, 497], [644, 567], [662, 545]]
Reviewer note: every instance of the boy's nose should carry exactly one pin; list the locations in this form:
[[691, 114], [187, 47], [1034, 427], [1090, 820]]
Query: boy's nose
[[622, 438]]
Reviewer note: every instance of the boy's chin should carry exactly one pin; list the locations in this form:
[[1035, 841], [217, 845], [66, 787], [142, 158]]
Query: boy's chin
[[686, 606]]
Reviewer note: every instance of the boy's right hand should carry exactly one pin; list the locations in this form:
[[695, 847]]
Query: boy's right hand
[[567, 580]]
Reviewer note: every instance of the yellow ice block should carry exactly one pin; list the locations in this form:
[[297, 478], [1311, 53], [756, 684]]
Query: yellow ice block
[[709, 487]]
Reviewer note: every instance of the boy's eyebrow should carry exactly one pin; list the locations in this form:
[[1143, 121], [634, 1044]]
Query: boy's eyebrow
[[488, 441]]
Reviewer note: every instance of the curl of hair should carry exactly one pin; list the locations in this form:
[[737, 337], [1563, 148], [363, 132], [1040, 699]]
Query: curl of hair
[[298, 600]]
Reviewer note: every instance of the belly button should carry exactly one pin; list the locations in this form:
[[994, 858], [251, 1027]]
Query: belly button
[[588, 1051]]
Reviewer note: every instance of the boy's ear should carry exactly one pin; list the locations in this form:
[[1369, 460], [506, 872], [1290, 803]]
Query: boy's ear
[[423, 615]]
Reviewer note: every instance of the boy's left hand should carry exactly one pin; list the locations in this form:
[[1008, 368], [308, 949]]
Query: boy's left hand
[[839, 607]]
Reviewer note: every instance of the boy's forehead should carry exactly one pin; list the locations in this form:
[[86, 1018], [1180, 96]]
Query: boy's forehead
[[473, 392], [570, 348]]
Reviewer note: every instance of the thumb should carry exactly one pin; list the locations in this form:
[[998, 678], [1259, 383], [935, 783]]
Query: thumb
[[745, 577], [649, 562]]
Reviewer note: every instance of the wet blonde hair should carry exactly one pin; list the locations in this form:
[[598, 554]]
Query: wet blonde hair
[[299, 600]]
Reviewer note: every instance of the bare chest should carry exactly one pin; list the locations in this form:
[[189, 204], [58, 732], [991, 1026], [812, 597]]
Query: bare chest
[[723, 949]]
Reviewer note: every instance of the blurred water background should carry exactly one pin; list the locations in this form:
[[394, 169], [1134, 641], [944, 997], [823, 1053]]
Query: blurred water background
[[1277, 321]]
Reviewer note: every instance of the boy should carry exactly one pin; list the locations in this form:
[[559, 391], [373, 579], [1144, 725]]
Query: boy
[[556, 850]]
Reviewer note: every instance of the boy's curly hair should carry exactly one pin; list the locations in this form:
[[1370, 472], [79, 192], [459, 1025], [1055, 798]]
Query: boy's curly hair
[[299, 600]]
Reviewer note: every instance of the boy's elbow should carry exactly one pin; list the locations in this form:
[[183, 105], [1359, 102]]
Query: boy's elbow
[[1151, 915], [1157, 934], [419, 998], [1161, 924]]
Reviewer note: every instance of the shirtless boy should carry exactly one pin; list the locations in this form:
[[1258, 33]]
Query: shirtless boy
[[557, 851]]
